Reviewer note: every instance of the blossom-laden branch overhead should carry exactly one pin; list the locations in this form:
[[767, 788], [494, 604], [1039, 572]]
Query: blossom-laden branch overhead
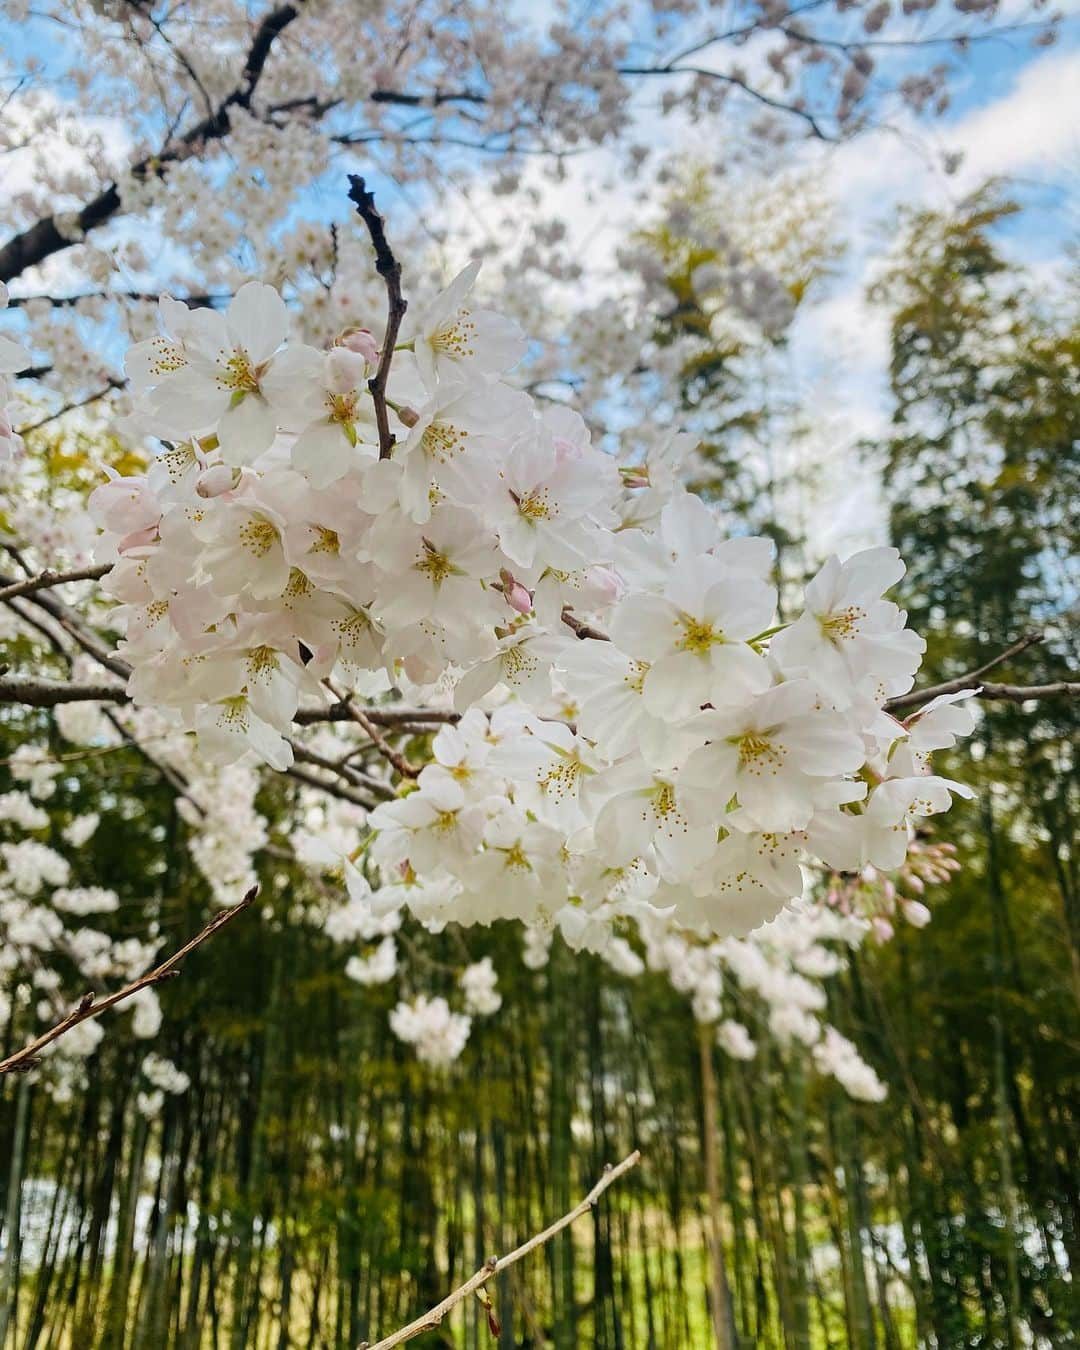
[[29, 1057], [601, 717]]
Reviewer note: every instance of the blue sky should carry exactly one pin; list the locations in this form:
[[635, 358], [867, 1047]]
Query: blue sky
[[1015, 114]]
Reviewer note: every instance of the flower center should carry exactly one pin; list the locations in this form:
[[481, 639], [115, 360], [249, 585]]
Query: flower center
[[441, 440], [534, 505], [354, 629], [258, 536], [261, 662], [298, 587], [843, 625], [168, 357], [435, 566], [634, 678], [326, 540], [454, 338], [515, 857], [239, 373], [517, 663], [234, 712], [344, 408], [663, 802], [698, 637], [179, 460], [758, 755], [561, 779]]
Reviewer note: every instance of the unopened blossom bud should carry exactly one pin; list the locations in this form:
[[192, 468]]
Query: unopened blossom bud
[[217, 479], [517, 596], [915, 912], [882, 929], [346, 368], [362, 342], [406, 415], [605, 586], [138, 543]]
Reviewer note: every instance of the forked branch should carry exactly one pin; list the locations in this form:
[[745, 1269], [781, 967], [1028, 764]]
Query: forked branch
[[495, 1264], [22, 1061]]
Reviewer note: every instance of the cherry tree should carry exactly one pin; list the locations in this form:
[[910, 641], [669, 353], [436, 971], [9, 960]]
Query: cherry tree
[[523, 673]]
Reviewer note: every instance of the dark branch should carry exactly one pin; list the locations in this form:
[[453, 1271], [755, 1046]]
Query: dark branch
[[42, 239], [389, 269], [44, 580]]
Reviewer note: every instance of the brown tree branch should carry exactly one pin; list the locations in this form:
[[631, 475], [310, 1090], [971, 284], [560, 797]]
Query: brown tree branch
[[44, 238], [496, 1264], [87, 401], [915, 698], [47, 579], [34, 692], [389, 269], [28, 1057]]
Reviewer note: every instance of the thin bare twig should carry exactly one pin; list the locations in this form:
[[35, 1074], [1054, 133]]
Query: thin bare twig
[[28, 1057], [360, 717], [389, 269], [917, 697], [114, 383], [1022, 693], [496, 1264]]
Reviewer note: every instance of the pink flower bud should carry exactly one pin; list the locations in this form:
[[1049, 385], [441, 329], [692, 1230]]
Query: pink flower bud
[[139, 543], [882, 929], [517, 596], [406, 415], [605, 585], [124, 506], [916, 913], [346, 369], [361, 341], [217, 479]]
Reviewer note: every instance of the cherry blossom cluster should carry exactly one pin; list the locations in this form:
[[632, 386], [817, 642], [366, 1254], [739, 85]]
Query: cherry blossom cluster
[[772, 979], [634, 729]]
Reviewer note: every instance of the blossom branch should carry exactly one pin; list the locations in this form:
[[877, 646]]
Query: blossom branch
[[389, 269], [46, 237], [496, 1264], [22, 1061]]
